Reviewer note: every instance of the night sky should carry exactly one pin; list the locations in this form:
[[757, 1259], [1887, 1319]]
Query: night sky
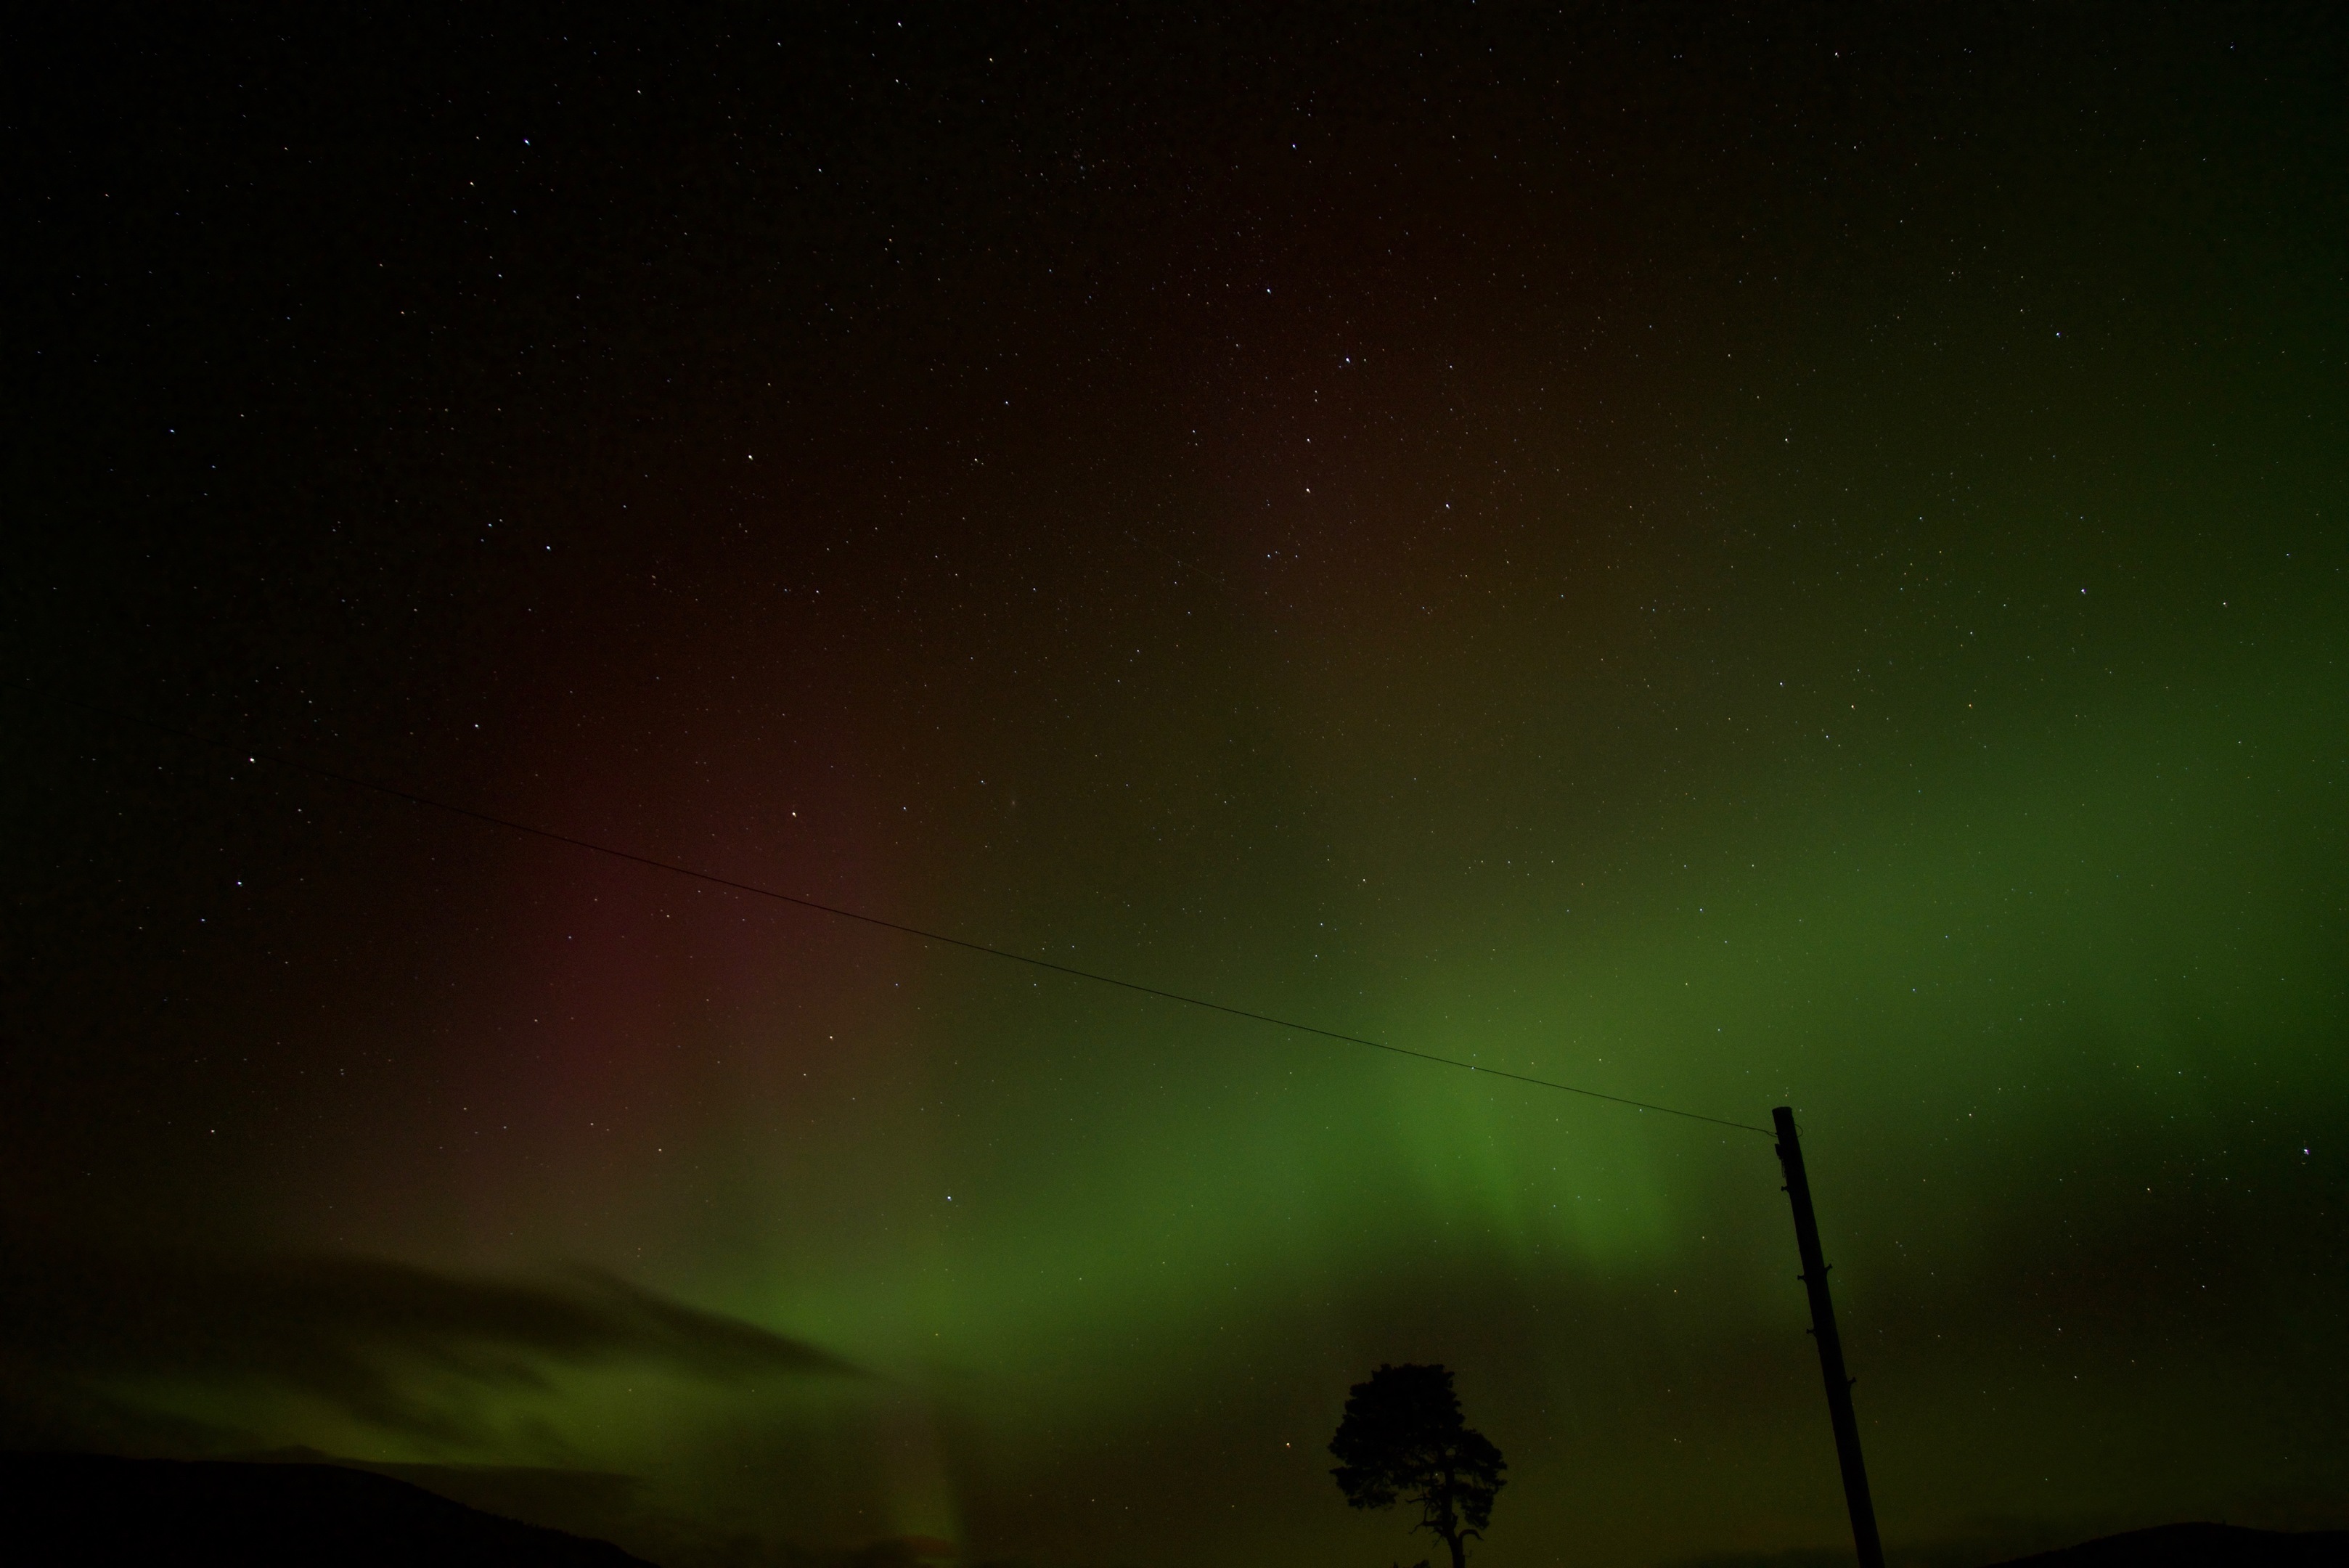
[[1723, 556]]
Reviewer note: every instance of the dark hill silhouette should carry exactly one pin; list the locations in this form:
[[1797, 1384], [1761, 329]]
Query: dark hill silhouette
[[84, 1511], [2201, 1546]]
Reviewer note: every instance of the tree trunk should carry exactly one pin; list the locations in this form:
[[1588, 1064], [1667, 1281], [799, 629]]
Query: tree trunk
[[1449, 1525]]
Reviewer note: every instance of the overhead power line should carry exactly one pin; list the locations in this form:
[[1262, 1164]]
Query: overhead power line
[[839, 912]]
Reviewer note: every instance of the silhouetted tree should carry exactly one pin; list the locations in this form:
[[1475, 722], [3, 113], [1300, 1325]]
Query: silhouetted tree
[[1403, 1437]]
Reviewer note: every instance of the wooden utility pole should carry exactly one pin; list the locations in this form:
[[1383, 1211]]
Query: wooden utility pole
[[1823, 1329]]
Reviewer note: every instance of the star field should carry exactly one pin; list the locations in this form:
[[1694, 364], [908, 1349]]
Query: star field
[[1724, 560]]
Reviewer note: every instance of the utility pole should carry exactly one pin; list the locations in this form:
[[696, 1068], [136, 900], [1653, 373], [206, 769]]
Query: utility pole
[[1823, 1329]]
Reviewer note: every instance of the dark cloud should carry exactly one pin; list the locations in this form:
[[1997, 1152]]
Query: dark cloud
[[80, 1326]]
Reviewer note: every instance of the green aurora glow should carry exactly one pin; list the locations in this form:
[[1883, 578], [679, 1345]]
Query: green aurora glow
[[1898, 674]]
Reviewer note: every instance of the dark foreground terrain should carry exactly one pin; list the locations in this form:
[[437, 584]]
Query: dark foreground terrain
[[65, 1511], [2201, 1546], [86, 1508]]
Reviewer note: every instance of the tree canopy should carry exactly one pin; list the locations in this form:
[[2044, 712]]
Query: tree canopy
[[1404, 1439]]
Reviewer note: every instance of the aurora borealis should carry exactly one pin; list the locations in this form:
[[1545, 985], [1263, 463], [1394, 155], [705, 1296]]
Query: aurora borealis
[[1722, 559]]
